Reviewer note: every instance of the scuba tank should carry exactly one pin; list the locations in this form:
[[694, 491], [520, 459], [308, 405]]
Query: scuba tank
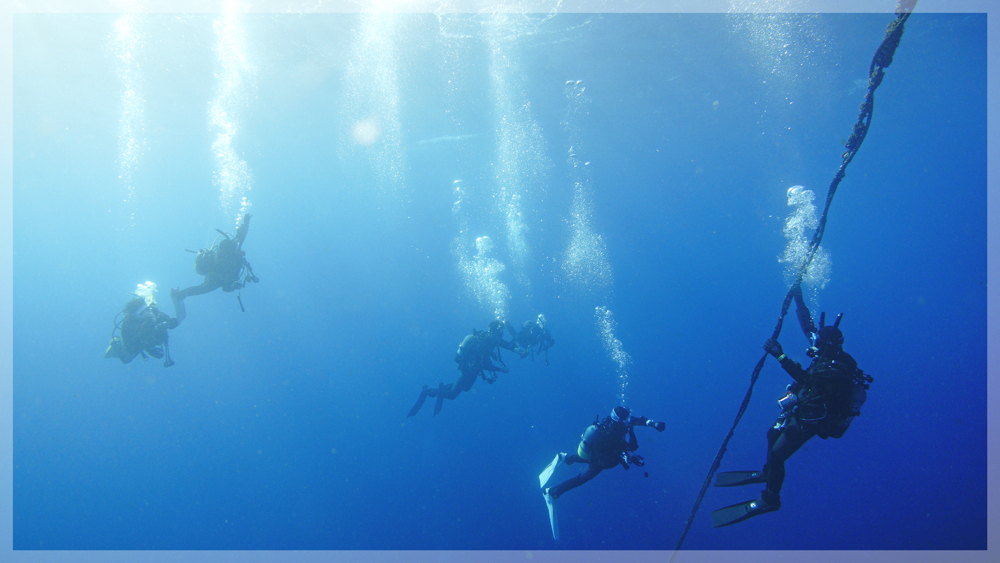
[[463, 348], [859, 394], [595, 442], [204, 262], [858, 397], [587, 442]]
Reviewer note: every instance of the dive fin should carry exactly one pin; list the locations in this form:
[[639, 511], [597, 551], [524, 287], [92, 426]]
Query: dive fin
[[738, 478], [546, 473], [553, 521], [740, 512], [115, 348], [419, 403]]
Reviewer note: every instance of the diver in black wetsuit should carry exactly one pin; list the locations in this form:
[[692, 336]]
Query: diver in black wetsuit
[[604, 445], [532, 337], [474, 358], [822, 401], [222, 265], [143, 330]]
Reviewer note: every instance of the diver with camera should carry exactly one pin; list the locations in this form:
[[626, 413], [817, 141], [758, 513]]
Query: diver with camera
[[604, 444]]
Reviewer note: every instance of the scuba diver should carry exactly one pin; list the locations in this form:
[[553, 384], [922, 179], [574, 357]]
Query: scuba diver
[[474, 358], [604, 445], [143, 328], [222, 265], [822, 401], [533, 336]]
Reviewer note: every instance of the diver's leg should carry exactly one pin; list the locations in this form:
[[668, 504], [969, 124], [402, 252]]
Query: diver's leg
[[450, 391], [205, 287], [464, 382], [574, 482], [444, 392], [782, 443]]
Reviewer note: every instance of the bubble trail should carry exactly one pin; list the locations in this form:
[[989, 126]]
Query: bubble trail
[[802, 219], [126, 46], [520, 149], [585, 261], [481, 274], [235, 74], [606, 325]]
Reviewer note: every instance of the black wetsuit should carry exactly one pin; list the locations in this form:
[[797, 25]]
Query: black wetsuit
[[144, 333], [612, 439], [474, 359], [823, 409], [222, 265], [532, 337]]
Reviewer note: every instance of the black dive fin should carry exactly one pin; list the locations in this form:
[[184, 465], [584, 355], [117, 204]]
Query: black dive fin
[[738, 478], [419, 403], [440, 399], [740, 512]]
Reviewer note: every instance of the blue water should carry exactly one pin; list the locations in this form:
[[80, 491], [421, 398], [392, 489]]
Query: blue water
[[373, 152]]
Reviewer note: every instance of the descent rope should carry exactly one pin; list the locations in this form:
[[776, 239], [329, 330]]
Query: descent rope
[[881, 61]]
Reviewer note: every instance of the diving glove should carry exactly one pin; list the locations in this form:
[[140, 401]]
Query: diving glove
[[659, 426], [773, 347]]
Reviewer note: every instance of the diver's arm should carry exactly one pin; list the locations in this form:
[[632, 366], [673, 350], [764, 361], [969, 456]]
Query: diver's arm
[[793, 369], [513, 347], [549, 341], [180, 311], [165, 320], [643, 421], [633, 443], [802, 312], [241, 231], [513, 332]]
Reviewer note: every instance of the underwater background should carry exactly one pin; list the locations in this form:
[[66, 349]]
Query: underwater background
[[414, 176]]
